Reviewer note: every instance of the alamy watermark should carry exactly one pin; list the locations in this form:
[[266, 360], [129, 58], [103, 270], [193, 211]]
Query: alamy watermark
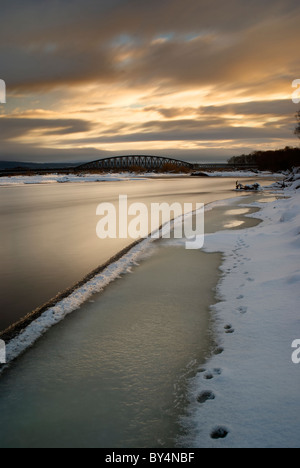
[[2, 92], [296, 353], [2, 352], [136, 220], [296, 94]]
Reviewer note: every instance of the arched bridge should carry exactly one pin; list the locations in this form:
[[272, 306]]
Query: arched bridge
[[130, 162]]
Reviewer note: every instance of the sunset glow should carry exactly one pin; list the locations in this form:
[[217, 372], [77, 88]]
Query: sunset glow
[[203, 80]]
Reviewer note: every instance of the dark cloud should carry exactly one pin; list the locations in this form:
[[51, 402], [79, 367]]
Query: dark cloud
[[90, 20], [61, 42], [234, 48], [267, 49], [190, 131], [282, 108], [11, 128], [279, 108]]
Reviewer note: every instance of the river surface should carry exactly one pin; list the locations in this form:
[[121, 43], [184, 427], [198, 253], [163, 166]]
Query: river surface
[[115, 373], [48, 236]]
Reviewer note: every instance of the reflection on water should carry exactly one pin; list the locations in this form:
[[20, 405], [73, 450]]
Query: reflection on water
[[237, 211], [48, 236], [233, 224], [267, 199]]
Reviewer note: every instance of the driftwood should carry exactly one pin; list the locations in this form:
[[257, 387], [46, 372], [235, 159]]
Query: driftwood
[[248, 188]]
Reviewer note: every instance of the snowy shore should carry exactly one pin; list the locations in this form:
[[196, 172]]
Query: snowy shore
[[107, 177], [63, 179], [248, 393]]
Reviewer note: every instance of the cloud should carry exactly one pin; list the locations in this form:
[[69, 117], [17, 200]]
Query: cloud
[[43, 45], [279, 108], [189, 131], [11, 128], [169, 71]]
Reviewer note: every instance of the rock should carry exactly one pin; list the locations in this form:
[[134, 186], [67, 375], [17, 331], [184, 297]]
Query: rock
[[199, 174], [219, 433]]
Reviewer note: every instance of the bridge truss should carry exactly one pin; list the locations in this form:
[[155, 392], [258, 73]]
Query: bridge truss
[[131, 162]]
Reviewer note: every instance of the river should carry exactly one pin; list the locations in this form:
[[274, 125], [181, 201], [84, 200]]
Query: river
[[115, 373], [48, 236]]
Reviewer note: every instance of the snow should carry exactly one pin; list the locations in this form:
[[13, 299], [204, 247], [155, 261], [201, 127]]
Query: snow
[[239, 174], [70, 178], [251, 379], [107, 177]]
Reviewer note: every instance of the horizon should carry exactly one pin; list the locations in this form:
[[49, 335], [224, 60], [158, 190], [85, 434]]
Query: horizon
[[193, 80]]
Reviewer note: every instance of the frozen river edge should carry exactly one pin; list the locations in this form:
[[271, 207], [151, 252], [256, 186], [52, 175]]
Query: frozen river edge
[[247, 396]]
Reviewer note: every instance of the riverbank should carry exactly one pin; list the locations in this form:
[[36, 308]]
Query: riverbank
[[46, 179], [253, 399]]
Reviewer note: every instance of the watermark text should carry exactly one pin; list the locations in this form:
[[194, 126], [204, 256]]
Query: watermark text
[[2, 352], [296, 353], [296, 94], [2, 92], [136, 220]]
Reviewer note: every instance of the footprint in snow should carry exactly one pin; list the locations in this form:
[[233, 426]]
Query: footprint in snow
[[219, 432], [208, 376], [205, 396], [219, 351]]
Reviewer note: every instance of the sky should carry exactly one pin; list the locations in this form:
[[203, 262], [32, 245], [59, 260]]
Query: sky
[[201, 80]]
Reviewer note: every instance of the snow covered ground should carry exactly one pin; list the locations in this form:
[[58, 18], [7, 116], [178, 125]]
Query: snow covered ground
[[81, 178], [70, 178], [248, 393], [239, 174]]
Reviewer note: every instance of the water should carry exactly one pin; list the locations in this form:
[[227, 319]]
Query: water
[[48, 233], [115, 373]]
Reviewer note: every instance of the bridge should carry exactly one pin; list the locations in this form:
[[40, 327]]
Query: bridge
[[154, 163], [132, 162]]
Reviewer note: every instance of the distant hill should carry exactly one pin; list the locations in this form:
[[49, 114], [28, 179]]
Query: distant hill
[[11, 165]]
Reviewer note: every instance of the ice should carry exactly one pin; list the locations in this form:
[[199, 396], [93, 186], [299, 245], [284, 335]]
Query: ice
[[63, 308], [70, 178], [107, 177], [239, 174]]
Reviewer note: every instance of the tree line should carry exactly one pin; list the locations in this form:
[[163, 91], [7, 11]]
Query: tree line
[[276, 160]]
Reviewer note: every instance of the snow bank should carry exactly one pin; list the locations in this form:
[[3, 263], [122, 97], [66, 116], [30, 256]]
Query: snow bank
[[70, 178], [81, 178], [252, 383], [239, 174]]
